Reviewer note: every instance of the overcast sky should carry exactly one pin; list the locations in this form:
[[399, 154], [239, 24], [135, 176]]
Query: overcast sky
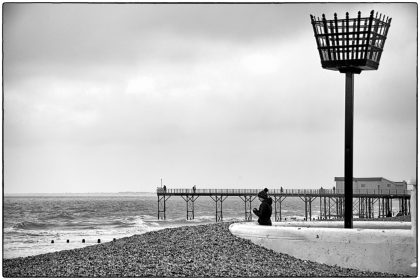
[[114, 97]]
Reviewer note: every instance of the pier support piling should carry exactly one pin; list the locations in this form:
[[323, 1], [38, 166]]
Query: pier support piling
[[248, 207], [277, 207], [340, 207], [189, 199], [219, 206], [332, 206], [325, 207], [403, 206], [308, 206]]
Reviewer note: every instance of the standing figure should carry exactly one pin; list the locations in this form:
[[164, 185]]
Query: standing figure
[[264, 213], [194, 189]]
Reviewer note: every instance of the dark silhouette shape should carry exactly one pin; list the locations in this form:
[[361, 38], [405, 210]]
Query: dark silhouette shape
[[265, 210]]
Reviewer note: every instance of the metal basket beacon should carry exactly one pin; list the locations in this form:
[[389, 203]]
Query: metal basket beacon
[[349, 46]]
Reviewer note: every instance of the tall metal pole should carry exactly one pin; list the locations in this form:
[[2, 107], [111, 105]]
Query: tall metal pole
[[348, 156]]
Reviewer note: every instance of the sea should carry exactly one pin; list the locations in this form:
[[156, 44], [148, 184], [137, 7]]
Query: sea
[[38, 224]]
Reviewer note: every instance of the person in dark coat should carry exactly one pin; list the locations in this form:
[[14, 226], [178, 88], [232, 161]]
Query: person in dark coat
[[264, 213]]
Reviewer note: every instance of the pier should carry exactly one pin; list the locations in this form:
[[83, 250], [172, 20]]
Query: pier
[[331, 202]]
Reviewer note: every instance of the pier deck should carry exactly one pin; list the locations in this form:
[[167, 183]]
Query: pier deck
[[331, 201]]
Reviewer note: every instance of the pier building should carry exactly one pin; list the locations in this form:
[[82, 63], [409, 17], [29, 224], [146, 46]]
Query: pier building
[[372, 183]]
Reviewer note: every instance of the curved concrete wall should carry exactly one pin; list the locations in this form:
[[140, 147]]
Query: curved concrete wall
[[382, 250]]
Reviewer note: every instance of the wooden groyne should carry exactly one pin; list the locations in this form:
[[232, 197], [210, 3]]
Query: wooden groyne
[[331, 201]]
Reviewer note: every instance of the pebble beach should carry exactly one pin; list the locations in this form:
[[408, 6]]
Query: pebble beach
[[190, 251]]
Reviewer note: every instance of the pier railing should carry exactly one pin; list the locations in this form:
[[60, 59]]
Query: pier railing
[[330, 200], [280, 191]]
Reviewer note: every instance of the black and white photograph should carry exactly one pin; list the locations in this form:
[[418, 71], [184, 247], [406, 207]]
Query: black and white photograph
[[209, 139]]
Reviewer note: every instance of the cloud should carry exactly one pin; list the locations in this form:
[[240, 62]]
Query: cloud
[[220, 91]]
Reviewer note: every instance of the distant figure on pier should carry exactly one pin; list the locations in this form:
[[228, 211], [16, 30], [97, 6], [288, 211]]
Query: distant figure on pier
[[164, 188], [281, 189], [194, 189], [264, 213]]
